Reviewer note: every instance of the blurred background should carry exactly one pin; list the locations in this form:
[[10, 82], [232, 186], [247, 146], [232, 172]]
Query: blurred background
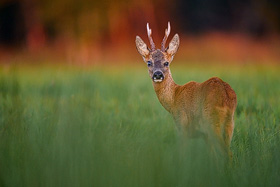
[[94, 32]]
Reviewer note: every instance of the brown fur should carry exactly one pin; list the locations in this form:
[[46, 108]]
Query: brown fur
[[200, 108]]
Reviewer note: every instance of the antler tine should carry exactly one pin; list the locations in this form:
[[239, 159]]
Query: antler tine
[[167, 32], [149, 32]]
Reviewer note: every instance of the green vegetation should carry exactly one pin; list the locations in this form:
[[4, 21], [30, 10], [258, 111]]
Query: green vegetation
[[105, 127]]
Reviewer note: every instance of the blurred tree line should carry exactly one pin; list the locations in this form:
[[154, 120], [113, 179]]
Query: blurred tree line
[[37, 22]]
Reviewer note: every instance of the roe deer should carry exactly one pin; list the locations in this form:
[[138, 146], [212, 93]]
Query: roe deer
[[197, 108]]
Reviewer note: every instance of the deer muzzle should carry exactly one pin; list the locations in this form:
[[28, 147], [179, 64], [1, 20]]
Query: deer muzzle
[[158, 76]]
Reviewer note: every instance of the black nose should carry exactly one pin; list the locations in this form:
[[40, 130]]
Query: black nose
[[158, 75]]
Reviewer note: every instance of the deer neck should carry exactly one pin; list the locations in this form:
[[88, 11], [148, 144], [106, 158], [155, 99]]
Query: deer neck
[[166, 92]]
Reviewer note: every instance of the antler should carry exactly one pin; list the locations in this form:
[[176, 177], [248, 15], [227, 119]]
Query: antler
[[149, 32], [167, 32]]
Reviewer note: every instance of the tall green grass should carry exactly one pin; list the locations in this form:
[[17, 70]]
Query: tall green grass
[[105, 127]]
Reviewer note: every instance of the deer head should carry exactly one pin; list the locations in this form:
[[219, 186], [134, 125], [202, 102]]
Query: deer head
[[158, 60]]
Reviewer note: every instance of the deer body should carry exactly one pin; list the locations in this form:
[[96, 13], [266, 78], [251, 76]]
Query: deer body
[[196, 106], [198, 109]]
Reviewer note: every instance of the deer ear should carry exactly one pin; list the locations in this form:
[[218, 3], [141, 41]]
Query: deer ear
[[142, 47], [173, 45]]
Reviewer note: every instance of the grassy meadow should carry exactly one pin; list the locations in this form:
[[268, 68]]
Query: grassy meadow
[[69, 126]]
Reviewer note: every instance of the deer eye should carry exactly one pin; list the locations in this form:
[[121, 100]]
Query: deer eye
[[149, 63], [166, 64]]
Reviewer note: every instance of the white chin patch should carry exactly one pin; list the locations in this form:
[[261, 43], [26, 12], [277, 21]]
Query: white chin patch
[[158, 80]]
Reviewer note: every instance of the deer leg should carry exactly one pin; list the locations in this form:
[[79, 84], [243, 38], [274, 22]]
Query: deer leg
[[229, 126], [216, 119]]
